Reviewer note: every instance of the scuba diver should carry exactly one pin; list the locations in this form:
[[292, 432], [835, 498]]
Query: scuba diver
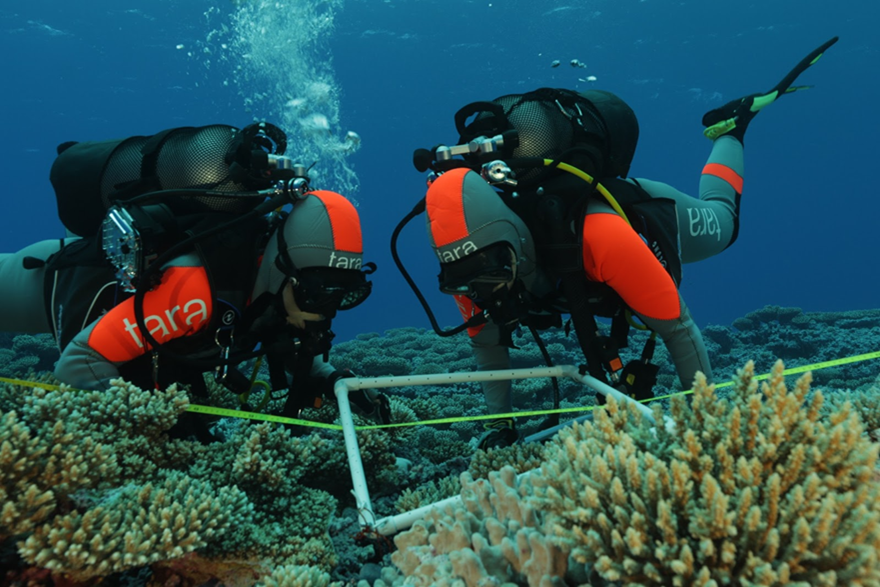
[[183, 260], [533, 215]]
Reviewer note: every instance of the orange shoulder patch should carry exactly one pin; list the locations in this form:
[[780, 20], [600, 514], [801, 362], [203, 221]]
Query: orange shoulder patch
[[179, 306]]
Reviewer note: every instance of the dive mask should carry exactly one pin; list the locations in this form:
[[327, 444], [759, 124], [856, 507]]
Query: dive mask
[[325, 290], [479, 274]]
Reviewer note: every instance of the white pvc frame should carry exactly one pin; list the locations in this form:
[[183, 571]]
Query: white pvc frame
[[393, 524]]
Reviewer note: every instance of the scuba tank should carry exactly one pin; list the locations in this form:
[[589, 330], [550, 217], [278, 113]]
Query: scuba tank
[[90, 177], [144, 194]]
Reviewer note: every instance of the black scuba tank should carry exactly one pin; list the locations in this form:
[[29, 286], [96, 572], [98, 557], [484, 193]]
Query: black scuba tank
[[90, 177]]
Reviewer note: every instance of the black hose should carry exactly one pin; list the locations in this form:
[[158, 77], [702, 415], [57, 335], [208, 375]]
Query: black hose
[[553, 419], [473, 321]]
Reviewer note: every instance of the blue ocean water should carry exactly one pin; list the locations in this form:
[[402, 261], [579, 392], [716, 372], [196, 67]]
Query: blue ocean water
[[395, 72]]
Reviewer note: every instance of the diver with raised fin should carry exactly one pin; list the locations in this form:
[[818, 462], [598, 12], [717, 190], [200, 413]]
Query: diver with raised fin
[[532, 216]]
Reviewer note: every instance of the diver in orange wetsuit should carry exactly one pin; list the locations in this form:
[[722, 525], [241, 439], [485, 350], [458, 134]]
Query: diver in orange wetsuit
[[531, 156], [257, 285]]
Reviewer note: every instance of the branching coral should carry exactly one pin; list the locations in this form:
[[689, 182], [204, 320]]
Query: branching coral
[[58, 443], [522, 457], [36, 472], [865, 403], [755, 489], [85, 486], [296, 576], [289, 522], [134, 421], [428, 493], [135, 526]]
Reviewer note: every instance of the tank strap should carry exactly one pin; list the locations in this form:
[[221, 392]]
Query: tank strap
[[153, 147]]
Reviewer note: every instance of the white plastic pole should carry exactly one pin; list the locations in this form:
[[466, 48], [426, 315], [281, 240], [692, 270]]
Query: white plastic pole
[[572, 372], [447, 378], [355, 464], [393, 524]]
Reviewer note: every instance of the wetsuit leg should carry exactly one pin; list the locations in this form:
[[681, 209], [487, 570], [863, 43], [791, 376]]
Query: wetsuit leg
[[23, 308], [710, 224], [490, 356]]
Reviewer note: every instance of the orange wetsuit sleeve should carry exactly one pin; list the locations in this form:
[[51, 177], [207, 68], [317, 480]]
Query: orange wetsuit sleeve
[[616, 255], [469, 309], [179, 306]]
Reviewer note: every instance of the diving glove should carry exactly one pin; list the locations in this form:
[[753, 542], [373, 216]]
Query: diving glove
[[368, 403], [499, 433], [638, 379], [371, 404]]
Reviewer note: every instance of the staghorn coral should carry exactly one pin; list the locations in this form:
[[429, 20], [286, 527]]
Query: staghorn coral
[[59, 446], [866, 404], [522, 457], [103, 499], [289, 522], [424, 408], [428, 493], [131, 420], [85, 486], [439, 446], [296, 576], [27, 354], [754, 489], [135, 526], [38, 349], [37, 474], [376, 447]]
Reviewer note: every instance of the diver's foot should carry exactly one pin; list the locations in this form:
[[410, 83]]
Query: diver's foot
[[733, 118], [499, 434]]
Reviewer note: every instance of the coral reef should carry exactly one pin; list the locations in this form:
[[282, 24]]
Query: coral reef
[[865, 402], [92, 485], [428, 493], [403, 351], [28, 353], [495, 537], [135, 526], [296, 576], [753, 489], [522, 457], [798, 338], [748, 486]]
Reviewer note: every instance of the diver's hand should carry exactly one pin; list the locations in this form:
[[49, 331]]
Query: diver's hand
[[330, 381], [296, 316], [369, 403]]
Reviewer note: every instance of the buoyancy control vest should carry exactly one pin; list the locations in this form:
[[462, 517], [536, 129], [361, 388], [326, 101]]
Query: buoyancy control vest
[[80, 284], [555, 214]]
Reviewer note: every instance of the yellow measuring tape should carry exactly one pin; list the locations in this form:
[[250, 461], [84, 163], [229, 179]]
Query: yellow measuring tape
[[792, 371], [227, 413]]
